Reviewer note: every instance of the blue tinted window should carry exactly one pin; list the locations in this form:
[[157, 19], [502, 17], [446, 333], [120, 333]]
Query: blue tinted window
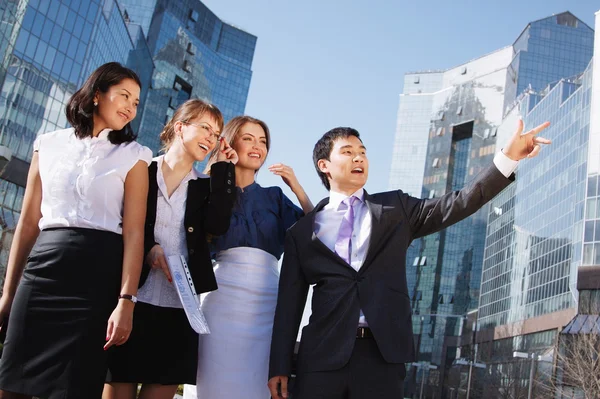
[[62, 15], [71, 18], [87, 32], [78, 28], [47, 31], [43, 7], [53, 10], [31, 46], [72, 51], [64, 41], [38, 24], [49, 60], [40, 52], [65, 73], [28, 18], [91, 15], [55, 35], [21, 43], [58, 63]]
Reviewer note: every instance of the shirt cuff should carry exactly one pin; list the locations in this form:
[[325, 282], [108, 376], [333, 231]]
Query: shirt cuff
[[505, 165]]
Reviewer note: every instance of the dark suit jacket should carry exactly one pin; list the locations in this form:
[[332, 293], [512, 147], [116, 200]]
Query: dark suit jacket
[[207, 211], [379, 288]]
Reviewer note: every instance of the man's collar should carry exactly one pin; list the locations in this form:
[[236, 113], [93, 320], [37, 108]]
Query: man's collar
[[336, 198]]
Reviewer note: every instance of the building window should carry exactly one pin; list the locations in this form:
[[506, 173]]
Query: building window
[[567, 19], [441, 299], [439, 131], [191, 49], [486, 133], [497, 211], [459, 110], [416, 262], [494, 132], [417, 80], [463, 71], [172, 103], [194, 15], [431, 194], [439, 116], [423, 261], [187, 66], [176, 86], [436, 163]]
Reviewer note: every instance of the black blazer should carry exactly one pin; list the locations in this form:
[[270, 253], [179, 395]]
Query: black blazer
[[379, 288], [207, 211]]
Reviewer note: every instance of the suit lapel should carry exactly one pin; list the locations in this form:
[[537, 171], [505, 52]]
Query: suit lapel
[[378, 230]]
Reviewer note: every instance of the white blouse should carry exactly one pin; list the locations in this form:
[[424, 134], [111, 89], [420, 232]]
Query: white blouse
[[169, 232], [83, 180]]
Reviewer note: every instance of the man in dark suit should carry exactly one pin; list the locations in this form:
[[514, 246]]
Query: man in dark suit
[[352, 249]]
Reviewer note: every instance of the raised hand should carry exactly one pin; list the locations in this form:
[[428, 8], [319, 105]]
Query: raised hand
[[286, 173], [226, 152], [525, 145]]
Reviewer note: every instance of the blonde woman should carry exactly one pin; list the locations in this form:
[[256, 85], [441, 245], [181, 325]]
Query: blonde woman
[[233, 359], [183, 207]]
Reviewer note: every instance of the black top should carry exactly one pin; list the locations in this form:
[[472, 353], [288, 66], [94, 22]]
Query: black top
[[207, 211]]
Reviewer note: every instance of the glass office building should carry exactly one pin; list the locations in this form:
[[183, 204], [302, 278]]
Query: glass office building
[[545, 226], [448, 126], [195, 55]]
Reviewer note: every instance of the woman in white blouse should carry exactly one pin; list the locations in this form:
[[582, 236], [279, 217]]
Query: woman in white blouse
[[71, 295], [184, 207]]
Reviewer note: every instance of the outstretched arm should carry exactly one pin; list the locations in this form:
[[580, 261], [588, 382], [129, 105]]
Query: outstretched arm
[[427, 216]]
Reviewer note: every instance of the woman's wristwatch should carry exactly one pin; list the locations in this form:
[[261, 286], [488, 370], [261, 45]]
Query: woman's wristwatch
[[132, 298]]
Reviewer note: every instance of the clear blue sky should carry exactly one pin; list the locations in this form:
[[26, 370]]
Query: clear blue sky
[[320, 64]]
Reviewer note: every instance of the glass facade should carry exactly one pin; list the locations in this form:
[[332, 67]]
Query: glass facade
[[543, 227], [195, 54], [457, 119]]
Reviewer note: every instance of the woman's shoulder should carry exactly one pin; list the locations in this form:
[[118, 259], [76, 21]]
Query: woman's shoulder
[[56, 136], [138, 151]]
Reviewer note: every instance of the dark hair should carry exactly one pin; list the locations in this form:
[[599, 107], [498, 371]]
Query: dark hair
[[324, 146], [191, 109], [230, 132], [80, 108]]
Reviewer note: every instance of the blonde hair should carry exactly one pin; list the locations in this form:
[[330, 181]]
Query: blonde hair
[[232, 130], [191, 109]]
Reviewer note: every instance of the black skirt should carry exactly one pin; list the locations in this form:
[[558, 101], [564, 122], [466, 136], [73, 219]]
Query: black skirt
[[58, 320], [162, 349]]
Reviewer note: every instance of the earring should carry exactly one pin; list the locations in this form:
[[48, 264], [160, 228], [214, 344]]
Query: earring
[[95, 103]]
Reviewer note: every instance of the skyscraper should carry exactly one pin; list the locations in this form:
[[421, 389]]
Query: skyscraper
[[446, 132], [195, 55], [545, 226]]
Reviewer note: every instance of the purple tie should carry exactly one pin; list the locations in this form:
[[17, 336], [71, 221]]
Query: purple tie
[[343, 244]]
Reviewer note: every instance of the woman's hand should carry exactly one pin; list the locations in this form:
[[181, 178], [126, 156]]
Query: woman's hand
[[120, 324], [287, 174], [156, 259], [5, 305], [226, 152]]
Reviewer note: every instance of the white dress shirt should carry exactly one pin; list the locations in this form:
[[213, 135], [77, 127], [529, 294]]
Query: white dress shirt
[[83, 180], [169, 232], [329, 220]]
